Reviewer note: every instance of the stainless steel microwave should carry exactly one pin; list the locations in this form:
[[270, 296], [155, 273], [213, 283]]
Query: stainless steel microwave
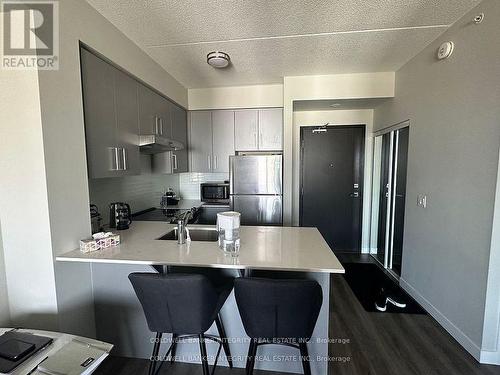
[[215, 192]]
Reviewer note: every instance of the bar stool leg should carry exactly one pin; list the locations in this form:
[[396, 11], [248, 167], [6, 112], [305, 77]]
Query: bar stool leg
[[252, 351], [305, 358], [223, 336], [154, 355], [203, 351]]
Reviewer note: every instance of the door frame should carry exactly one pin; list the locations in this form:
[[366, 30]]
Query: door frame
[[362, 173], [374, 222]]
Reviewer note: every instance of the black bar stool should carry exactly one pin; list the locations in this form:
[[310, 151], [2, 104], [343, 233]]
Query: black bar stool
[[185, 306], [282, 312]]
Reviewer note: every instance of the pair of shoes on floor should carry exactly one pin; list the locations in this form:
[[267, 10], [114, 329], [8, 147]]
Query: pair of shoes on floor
[[384, 298]]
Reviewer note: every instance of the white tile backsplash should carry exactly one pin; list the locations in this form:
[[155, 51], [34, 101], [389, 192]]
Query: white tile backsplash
[[189, 183], [141, 192], [137, 191]]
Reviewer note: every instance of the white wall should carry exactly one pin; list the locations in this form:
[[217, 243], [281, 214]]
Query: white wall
[[490, 352], [62, 119], [453, 108], [336, 117], [42, 149], [257, 96], [339, 86], [24, 211], [4, 297]]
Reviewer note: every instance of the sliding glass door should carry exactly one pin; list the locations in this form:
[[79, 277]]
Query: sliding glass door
[[388, 198]]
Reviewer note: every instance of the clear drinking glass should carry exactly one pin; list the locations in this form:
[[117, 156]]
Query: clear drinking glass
[[229, 241]]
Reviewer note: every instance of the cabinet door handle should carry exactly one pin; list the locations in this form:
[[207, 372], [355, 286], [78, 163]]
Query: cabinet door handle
[[113, 159], [209, 162], [117, 159], [161, 125], [156, 125], [124, 157], [260, 139], [215, 162], [174, 158]]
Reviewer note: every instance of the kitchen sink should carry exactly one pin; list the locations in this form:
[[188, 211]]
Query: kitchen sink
[[196, 234]]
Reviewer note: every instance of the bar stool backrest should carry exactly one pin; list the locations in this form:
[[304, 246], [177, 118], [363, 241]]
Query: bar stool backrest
[[177, 303], [278, 309]]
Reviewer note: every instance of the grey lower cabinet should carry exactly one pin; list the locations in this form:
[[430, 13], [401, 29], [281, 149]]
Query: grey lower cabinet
[[258, 129], [211, 140], [110, 107]]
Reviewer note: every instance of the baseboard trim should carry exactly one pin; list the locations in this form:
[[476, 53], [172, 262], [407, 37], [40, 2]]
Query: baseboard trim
[[490, 358], [451, 328]]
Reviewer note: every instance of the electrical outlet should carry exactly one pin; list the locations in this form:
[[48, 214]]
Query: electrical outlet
[[422, 200]]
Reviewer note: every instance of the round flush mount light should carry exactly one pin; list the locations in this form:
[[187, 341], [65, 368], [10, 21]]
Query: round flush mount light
[[218, 59]]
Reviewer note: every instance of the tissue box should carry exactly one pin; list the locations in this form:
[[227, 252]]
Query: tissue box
[[89, 245]]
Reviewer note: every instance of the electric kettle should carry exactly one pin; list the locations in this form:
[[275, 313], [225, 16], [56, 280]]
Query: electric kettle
[[120, 215]]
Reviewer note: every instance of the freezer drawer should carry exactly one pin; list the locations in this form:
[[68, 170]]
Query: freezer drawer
[[256, 174], [258, 209]]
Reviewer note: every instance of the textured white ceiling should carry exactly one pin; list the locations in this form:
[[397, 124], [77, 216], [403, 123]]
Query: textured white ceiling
[[269, 39]]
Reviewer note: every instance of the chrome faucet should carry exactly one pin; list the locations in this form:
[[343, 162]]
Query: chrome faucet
[[181, 227], [181, 231]]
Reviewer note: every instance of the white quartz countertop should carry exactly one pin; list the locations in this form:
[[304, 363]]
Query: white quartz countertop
[[265, 248]]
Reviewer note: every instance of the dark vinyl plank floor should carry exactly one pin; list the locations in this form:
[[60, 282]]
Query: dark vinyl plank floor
[[392, 344], [366, 344]]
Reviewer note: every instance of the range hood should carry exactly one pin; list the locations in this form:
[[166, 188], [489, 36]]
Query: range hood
[[155, 144]]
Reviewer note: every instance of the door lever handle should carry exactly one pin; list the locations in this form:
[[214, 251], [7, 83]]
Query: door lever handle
[[354, 195]]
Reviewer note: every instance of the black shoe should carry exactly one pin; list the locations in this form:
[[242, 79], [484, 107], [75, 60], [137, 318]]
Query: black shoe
[[381, 301]]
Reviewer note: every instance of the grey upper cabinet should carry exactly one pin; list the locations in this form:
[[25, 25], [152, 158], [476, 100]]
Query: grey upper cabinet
[[100, 125], [154, 113], [246, 129], [110, 106], [174, 161], [271, 129], [162, 163], [211, 140], [258, 130], [200, 141], [127, 122], [179, 133], [118, 109], [223, 140]]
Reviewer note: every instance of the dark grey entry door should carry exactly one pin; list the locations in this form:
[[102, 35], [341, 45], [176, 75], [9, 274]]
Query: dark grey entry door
[[331, 191]]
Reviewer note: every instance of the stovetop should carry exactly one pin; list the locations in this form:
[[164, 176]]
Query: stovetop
[[170, 215]]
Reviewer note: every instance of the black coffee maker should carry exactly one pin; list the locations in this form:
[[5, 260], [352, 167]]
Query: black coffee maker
[[120, 215]]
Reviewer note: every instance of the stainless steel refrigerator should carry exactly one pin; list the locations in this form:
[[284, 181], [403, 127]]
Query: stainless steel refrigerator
[[256, 188]]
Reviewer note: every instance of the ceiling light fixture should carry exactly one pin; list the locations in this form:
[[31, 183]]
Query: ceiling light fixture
[[218, 59]]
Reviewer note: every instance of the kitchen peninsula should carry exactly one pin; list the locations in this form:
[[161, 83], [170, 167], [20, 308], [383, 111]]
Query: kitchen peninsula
[[286, 252]]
